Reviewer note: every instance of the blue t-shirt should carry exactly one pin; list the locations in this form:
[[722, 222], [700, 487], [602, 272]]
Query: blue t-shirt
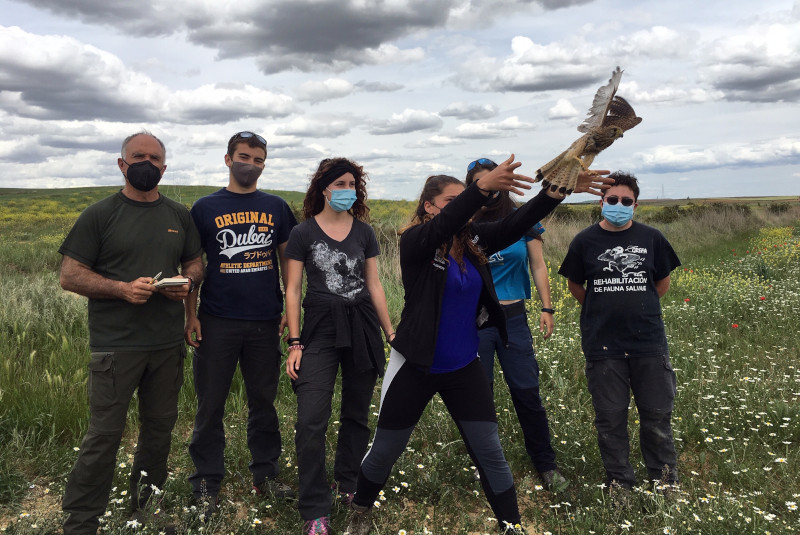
[[510, 270], [240, 233], [457, 340]]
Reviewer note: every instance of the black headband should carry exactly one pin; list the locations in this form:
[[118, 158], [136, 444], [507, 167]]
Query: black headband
[[335, 171]]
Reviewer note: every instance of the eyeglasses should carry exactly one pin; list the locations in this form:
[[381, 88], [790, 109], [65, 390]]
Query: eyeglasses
[[482, 161], [246, 135], [613, 199]]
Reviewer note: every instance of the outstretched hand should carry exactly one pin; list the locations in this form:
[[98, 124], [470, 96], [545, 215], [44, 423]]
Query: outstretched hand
[[593, 182], [503, 178]]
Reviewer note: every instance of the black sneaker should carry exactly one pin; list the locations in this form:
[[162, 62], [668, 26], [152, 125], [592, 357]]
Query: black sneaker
[[207, 506], [275, 489]]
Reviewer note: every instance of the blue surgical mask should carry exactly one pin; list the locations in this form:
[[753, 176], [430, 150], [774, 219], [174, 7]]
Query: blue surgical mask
[[342, 199], [617, 214]]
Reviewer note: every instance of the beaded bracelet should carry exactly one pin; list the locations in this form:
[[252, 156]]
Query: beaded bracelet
[[296, 346]]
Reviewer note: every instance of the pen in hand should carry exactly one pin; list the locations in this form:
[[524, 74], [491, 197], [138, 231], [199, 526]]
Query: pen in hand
[[155, 278]]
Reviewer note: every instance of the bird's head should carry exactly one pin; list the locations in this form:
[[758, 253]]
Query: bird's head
[[616, 132]]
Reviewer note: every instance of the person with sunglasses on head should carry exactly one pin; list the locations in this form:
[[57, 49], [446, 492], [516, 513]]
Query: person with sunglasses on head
[[449, 295], [345, 310], [510, 270], [244, 233], [618, 270]]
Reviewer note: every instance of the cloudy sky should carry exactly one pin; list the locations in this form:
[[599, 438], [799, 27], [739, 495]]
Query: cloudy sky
[[407, 88]]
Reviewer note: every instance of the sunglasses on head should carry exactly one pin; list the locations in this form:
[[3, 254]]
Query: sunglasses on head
[[482, 161], [245, 135], [613, 199]]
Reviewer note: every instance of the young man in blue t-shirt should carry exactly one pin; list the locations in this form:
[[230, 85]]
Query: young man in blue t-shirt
[[618, 270], [243, 232]]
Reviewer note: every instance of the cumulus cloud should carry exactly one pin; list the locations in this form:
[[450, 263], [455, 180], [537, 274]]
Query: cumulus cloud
[[317, 127], [503, 128], [563, 109], [301, 35], [761, 64], [435, 141], [470, 112], [682, 158], [320, 91], [57, 77], [378, 87], [409, 120]]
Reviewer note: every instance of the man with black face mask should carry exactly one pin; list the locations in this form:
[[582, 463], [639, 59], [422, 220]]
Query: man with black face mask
[[111, 255], [244, 234]]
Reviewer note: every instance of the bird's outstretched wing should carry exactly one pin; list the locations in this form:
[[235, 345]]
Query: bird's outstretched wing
[[621, 114], [601, 103]]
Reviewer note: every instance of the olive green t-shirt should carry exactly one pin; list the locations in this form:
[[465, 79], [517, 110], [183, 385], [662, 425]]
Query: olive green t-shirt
[[122, 239]]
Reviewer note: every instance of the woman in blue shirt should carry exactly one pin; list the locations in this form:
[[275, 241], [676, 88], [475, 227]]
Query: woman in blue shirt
[[449, 294], [510, 269]]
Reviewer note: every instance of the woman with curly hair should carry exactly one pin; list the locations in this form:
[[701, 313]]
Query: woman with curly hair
[[345, 310], [449, 294]]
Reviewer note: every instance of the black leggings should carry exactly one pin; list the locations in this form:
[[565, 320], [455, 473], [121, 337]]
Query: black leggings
[[405, 393]]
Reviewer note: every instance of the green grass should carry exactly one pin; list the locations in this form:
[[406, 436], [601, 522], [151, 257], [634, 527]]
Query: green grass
[[731, 315]]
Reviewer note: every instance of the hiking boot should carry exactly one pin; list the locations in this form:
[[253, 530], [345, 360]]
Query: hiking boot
[[554, 481], [318, 526], [275, 489], [359, 520], [206, 505]]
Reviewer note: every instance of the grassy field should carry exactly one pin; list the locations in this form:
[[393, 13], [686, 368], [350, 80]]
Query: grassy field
[[731, 316]]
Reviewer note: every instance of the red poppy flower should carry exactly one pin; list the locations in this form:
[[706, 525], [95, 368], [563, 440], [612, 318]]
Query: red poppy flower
[[735, 325], [762, 298], [686, 300]]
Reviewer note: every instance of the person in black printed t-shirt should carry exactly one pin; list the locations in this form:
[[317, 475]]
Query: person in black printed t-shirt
[[112, 256], [345, 310], [244, 233], [618, 270]]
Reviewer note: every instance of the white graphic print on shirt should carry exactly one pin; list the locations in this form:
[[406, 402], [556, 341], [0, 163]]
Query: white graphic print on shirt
[[624, 261], [341, 273]]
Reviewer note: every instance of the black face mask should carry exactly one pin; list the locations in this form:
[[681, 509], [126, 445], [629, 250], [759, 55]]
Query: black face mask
[[245, 174], [143, 176]]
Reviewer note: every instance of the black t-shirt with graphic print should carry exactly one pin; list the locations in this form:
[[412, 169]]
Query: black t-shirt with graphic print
[[240, 233], [333, 267], [621, 315]]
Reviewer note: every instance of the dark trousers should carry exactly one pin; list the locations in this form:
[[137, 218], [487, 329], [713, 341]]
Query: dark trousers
[[521, 372], [653, 384], [254, 345], [314, 388], [405, 393], [113, 377]]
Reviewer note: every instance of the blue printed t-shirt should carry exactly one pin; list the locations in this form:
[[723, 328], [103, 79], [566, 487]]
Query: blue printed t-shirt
[[509, 268], [457, 340], [240, 233]]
